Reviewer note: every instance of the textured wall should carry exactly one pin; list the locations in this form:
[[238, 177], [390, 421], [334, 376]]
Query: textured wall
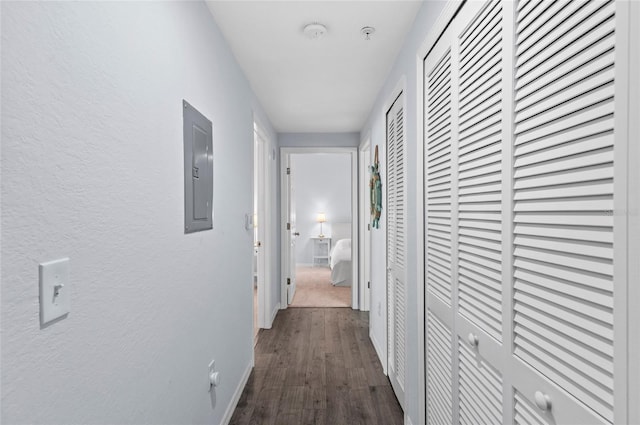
[[405, 66], [92, 169], [321, 185]]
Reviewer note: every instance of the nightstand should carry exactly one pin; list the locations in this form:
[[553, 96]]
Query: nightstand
[[321, 250]]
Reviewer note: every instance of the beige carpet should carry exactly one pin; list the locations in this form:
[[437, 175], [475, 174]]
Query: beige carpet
[[314, 289]]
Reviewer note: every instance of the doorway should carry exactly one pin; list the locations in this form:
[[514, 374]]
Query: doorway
[[319, 223]]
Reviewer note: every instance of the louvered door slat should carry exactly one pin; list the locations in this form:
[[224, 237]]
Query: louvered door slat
[[489, 238], [582, 174], [578, 218], [599, 252]]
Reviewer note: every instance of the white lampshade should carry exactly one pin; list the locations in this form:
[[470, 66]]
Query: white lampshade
[[321, 218]]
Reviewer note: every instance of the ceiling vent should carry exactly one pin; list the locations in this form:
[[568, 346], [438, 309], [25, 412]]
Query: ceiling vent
[[367, 32]]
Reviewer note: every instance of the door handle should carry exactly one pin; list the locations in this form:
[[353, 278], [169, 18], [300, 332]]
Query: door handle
[[258, 244], [296, 233]]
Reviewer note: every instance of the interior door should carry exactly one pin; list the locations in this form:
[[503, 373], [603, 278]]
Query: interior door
[[260, 224], [396, 248]]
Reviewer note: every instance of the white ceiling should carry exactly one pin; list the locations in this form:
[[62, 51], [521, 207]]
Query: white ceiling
[[325, 85]]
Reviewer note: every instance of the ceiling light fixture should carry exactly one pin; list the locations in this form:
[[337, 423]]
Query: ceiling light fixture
[[367, 32], [315, 31]]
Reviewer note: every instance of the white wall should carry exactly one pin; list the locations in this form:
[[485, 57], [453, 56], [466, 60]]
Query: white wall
[[405, 66], [321, 185], [92, 169], [314, 140]]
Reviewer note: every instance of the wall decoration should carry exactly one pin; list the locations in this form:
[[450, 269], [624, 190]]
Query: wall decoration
[[375, 186]]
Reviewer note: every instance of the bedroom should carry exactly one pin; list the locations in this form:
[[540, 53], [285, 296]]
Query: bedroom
[[323, 215]]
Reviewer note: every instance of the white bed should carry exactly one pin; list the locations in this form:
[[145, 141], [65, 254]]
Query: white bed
[[340, 257]]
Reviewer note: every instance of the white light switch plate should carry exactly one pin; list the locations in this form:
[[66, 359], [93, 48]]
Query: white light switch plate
[[54, 290]]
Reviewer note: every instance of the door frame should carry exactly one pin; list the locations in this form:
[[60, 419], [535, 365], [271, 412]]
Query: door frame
[[286, 152], [364, 243], [265, 208]]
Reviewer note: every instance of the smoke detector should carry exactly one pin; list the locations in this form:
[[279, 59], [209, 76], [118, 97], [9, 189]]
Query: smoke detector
[[314, 31], [367, 32]]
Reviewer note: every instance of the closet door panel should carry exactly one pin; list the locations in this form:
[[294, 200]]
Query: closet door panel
[[441, 352], [439, 371], [563, 294], [438, 177], [479, 179], [396, 247]]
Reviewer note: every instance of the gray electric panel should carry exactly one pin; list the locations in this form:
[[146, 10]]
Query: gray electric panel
[[198, 170]]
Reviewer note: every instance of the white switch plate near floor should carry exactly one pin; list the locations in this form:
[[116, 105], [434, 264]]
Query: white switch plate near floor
[[54, 290]]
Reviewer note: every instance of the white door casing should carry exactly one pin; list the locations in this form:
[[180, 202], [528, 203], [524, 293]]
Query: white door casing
[[364, 196], [286, 260], [289, 226], [525, 174], [263, 231]]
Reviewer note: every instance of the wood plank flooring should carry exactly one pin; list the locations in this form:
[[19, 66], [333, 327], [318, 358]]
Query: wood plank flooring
[[317, 366]]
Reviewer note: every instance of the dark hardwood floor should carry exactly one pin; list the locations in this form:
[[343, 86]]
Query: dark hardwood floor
[[317, 366]]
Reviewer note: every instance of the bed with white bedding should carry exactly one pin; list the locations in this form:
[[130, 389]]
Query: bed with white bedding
[[340, 257]]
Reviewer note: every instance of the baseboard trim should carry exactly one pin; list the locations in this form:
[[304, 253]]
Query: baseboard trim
[[407, 419], [236, 396], [274, 312], [379, 352]]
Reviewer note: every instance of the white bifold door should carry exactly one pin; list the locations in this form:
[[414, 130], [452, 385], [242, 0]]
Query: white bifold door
[[396, 248], [525, 255]]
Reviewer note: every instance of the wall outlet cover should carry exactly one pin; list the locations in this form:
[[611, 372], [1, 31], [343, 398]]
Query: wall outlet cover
[[54, 290]]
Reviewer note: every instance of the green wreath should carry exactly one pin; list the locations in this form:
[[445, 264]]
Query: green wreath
[[375, 187]]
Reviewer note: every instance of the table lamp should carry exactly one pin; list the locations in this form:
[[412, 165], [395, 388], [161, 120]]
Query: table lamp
[[321, 218]]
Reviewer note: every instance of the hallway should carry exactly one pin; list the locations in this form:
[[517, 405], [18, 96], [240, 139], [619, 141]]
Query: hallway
[[317, 366]]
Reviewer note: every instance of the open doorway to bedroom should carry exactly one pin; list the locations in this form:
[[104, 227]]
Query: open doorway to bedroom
[[324, 209]]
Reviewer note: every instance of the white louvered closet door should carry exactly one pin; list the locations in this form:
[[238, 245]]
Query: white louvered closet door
[[566, 291], [396, 248], [463, 256], [525, 282]]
